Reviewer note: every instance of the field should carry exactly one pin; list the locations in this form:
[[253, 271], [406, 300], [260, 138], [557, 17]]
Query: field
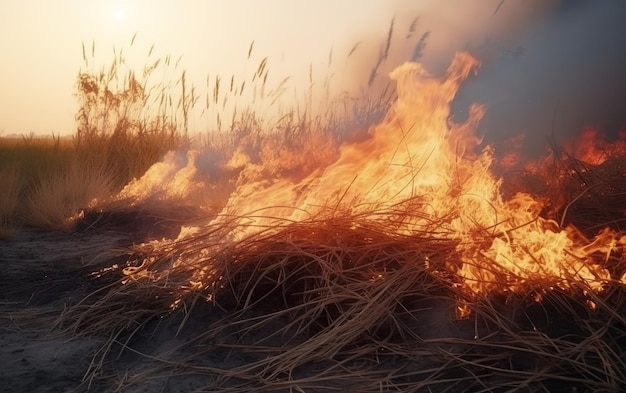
[[383, 248]]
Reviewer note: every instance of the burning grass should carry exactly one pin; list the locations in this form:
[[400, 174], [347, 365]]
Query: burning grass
[[392, 260], [347, 302], [127, 121], [50, 182], [397, 266]]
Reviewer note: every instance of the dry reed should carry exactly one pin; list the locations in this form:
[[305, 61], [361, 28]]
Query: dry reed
[[343, 303], [347, 302]]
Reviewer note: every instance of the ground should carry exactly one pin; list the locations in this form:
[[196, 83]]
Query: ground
[[44, 274], [41, 274]]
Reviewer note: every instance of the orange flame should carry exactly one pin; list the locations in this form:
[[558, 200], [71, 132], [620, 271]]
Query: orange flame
[[592, 148], [422, 173]]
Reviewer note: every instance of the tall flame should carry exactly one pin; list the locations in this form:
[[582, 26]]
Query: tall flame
[[423, 174]]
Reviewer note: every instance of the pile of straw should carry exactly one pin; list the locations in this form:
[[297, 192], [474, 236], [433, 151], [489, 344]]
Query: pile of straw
[[593, 195], [344, 304]]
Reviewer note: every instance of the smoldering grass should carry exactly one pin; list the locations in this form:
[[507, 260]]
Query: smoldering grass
[[350, 300], [325, 303]]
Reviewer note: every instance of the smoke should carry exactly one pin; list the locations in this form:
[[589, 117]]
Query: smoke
[[431, 33], [558, 76], [548, 68]]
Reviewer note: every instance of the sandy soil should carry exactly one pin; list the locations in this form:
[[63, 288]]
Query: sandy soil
[[41, 274], [45, 273]]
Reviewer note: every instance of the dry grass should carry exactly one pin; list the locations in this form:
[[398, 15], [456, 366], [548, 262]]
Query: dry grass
[[351, 303], [58, 200], [346, 302], [11, 185], [333, 303], [25, 163], [50, 181]]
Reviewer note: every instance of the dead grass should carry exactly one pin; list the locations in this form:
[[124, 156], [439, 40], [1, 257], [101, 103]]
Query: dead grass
[[332, 303], [11, 185], [346, 302], [25, 163], [50, 181], [58, 201]]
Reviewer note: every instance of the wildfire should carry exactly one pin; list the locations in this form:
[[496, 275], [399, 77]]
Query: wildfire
[[420, 173], [591, 147]]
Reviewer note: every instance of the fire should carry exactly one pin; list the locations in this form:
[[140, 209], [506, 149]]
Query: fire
[[173, 179], [593, 148], [409, 158], [420, 173]]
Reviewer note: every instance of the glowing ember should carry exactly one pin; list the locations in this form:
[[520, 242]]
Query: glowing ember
[[420, 174], [592, 147]]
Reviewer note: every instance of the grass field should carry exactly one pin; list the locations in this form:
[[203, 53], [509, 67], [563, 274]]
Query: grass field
[[371, 250], [48, 182]]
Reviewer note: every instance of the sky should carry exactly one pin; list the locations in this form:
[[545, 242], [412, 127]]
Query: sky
[[539, 57]]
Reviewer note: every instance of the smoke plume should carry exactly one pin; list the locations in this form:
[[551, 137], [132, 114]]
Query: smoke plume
[[548, 68]]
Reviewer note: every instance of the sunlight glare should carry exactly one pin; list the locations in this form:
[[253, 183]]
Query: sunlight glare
[[120, 14]]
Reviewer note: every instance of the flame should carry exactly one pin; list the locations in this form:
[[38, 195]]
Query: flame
[[425, 175], [171, 179], [592, 147], [407, 157]]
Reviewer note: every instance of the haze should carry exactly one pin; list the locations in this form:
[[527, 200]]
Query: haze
[[41, 48]]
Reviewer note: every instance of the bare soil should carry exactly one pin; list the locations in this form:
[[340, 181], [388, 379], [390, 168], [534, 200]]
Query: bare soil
[[44, 274]]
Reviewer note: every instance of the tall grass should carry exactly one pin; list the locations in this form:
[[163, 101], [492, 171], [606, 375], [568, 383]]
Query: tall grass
[[11, 184], [50, 181], [127, 119]]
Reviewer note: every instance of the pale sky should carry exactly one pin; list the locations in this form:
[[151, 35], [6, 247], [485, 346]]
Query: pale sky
[[40, 42]]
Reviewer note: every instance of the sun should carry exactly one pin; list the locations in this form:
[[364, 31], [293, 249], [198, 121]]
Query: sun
[[120, 14]]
